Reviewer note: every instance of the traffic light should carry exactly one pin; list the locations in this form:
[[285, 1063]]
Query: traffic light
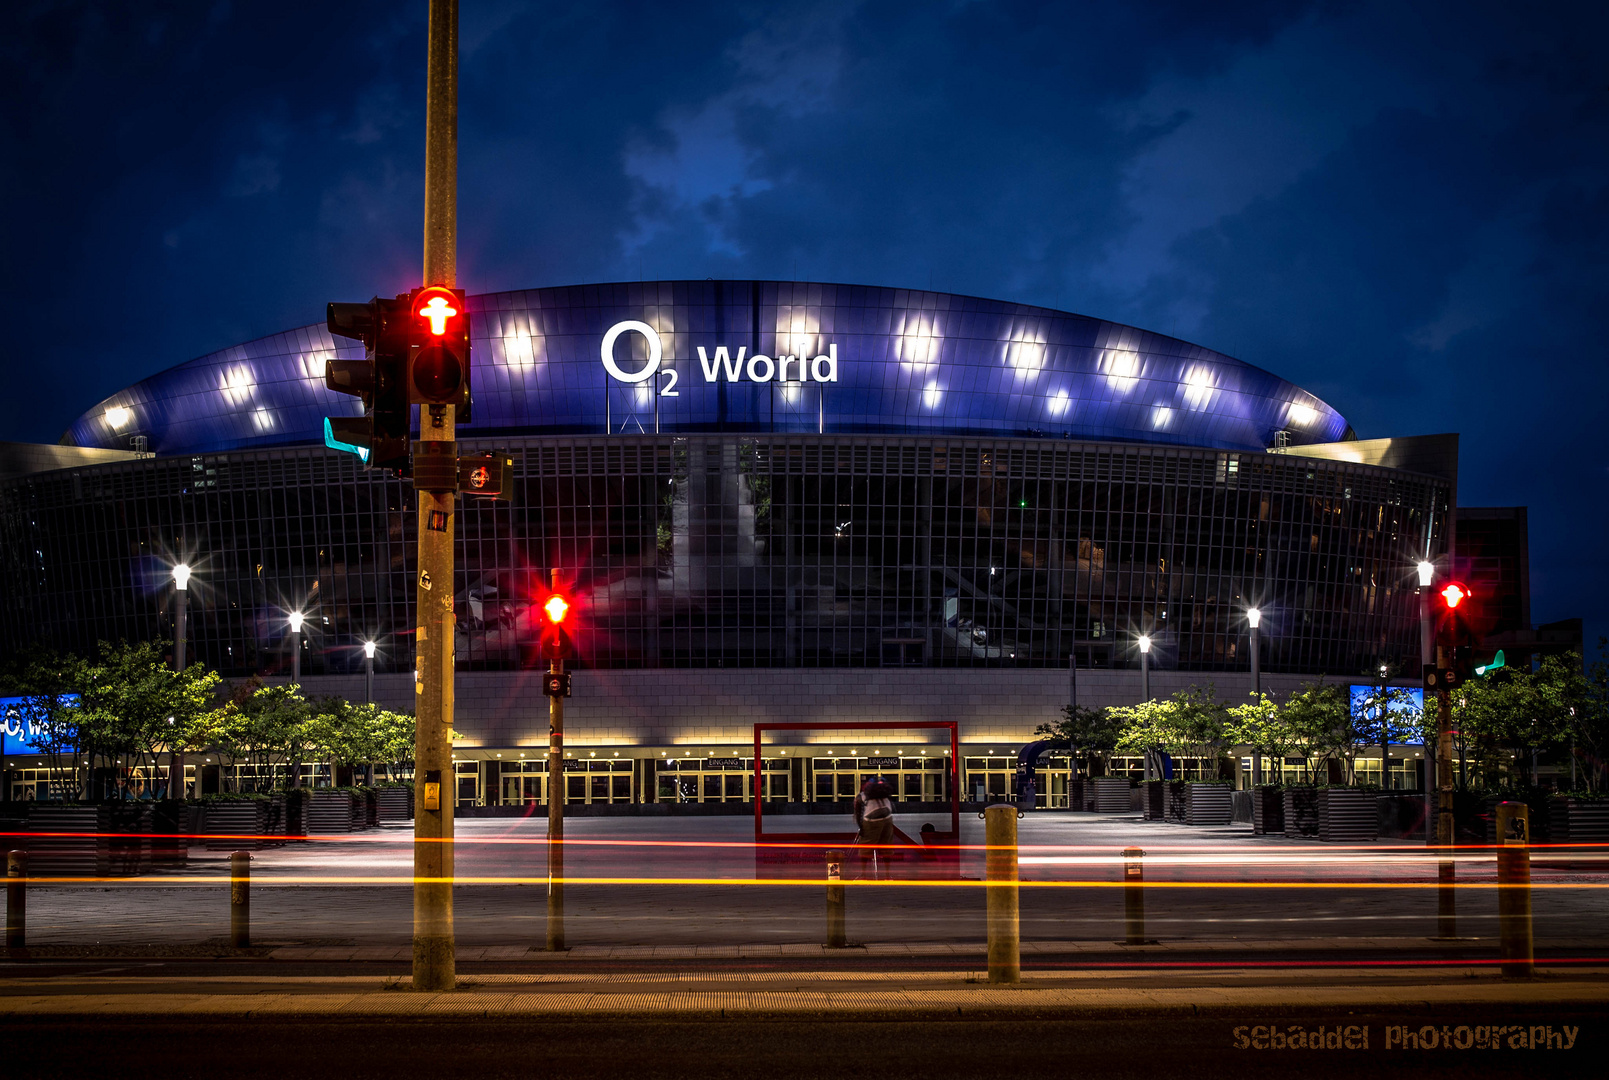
[[1453, 593], [1496, 663], [438, 353], [485, 476], [556, 642], [380, 436]]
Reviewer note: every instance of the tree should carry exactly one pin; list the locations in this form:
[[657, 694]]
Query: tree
[[137, 707], [274, 728], [48, 719], [1091, 732], [1261, 725], [1190, 723], [1317, 719]]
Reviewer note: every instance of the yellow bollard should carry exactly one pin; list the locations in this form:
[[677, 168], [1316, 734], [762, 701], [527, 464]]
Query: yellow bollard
[[240, 900], [16, 899], [1000, 885], [1517, 946], [1133, 897], [835, 900]]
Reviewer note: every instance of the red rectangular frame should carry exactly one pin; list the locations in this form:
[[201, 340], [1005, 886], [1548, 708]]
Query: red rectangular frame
[[888, 725]]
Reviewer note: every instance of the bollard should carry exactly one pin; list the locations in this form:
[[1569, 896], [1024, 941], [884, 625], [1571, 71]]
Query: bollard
[[835, 900], [1517, 945], [16, 899], [1000, 886], [240, 900], [1133, 897]]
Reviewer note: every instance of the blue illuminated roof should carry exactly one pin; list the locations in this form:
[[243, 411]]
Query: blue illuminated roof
[[907, 362]]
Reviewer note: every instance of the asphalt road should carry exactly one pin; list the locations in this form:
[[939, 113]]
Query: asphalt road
[[690, 883]]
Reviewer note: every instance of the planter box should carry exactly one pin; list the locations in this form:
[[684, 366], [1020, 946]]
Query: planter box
[[326, 813], [63, 841], [1155, 801], [1400, 817], [244, 824], [1577, 821], [1347, 815], [1301, 812], [1267, 811], [1112, 794], [1176, 807], [1240, 808], [395, 803], [1207, 804]]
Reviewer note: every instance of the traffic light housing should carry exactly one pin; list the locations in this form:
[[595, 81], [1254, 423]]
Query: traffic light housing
[[556, 641], [380, 436], [438, 348]]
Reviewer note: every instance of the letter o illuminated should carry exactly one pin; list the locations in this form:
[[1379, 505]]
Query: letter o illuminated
[[655, 351]]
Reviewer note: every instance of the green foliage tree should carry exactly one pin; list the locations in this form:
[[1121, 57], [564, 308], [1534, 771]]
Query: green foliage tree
[[135, 707], [1090, 733], [49, 716], [273, 728], [1260, 724], [1316, 717]]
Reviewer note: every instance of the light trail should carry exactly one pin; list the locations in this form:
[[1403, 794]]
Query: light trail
[[299, 880]]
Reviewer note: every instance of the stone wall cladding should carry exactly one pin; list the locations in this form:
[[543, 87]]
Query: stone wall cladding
[[673, 706]]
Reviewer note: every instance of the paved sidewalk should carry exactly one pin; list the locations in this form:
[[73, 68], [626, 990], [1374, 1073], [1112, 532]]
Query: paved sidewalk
[[861, 996]]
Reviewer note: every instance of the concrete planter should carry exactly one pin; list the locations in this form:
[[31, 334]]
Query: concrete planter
[[1301, 812], [1207, 804], [1267, 811], [1347, 815], [1112, 794], [238, 824]]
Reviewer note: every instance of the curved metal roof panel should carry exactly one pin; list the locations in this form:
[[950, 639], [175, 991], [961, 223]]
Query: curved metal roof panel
[[880, 360]]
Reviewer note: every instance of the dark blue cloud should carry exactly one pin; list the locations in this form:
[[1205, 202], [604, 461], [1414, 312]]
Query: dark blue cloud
[[1400, 207]]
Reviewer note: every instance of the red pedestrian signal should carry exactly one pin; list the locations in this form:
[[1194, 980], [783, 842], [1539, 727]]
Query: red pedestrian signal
[[438, 361], [556, 641], [1453, 594]]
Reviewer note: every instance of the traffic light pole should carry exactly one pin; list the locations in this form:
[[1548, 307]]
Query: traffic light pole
[[433, 938], [1446, 902], [555, 936]]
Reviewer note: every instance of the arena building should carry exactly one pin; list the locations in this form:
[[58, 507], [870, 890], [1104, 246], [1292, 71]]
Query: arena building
[[774, 502]]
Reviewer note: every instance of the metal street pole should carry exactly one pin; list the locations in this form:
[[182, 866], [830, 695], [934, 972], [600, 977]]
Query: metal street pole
[[368, 672], [555, 935], [1145, 668], [1427, 656], [296, 646], [1446, 900], [433, 941], [181, 596], [1254, 618]]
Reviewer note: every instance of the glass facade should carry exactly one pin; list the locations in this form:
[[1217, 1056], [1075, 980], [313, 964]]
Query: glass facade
[[744, 550], [751, 356]]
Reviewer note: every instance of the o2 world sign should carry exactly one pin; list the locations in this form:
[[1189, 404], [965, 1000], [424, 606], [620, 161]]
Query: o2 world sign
[[758, 368]]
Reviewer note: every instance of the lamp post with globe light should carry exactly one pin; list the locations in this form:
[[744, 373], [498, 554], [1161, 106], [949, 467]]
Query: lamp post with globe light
[[1427, 656], [296, 646], [1145, 667], [368, 672], [1254, 619], [181, 594]]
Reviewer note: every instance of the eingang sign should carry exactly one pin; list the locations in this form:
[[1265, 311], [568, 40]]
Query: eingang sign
[[758, 368]]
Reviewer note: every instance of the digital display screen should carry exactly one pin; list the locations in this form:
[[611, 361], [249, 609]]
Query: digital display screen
[[22, 733], [1362, 692]]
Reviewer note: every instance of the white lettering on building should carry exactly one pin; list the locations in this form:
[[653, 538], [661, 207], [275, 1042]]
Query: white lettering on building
[[758, 368]]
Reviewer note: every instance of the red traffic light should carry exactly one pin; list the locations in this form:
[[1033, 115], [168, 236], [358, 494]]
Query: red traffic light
[[1454, 593], [557, 608], [435, 306]]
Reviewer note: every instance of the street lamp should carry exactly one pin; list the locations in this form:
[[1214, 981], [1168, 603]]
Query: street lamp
[[368, 671], [1254, 619], [1427, 657], [296, 646], [181, 593], [1145, 667]]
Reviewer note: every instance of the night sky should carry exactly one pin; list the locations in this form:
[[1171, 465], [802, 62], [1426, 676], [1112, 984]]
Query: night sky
[[1403, 208]]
